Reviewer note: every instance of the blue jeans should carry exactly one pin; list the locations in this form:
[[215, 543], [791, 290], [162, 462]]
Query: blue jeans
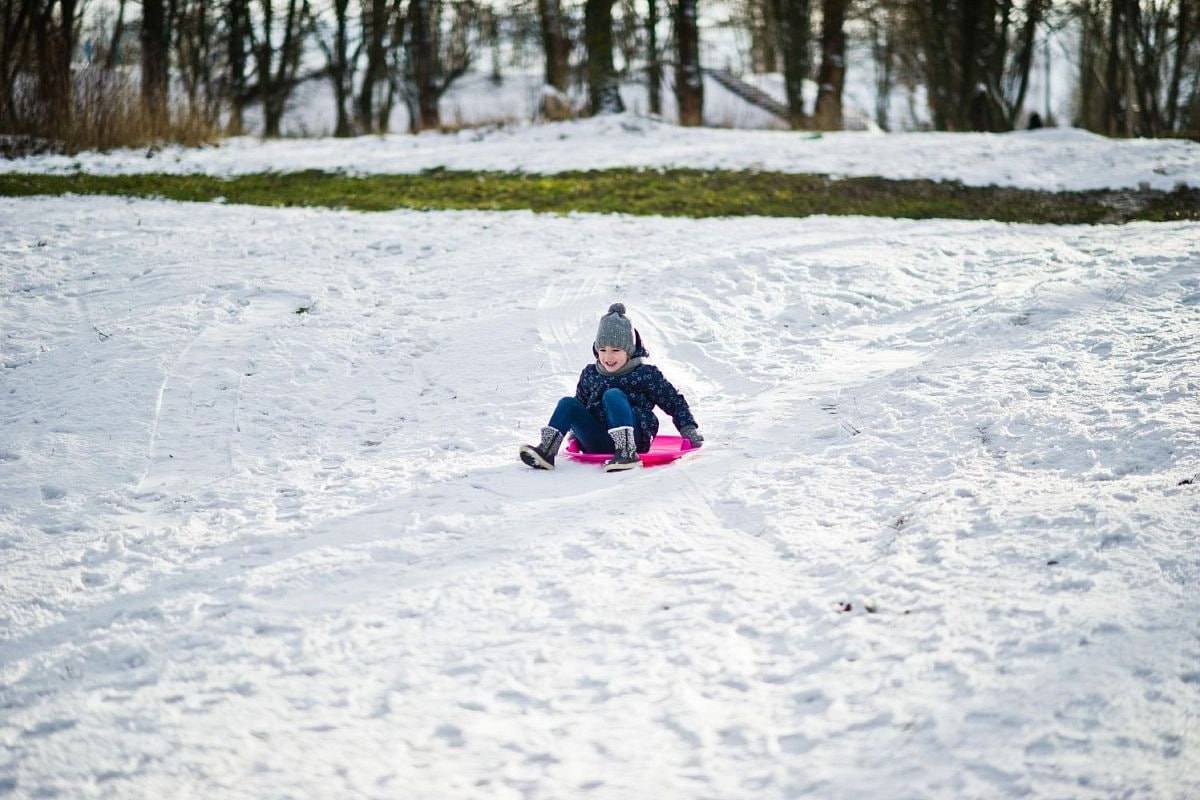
[[571, 415]]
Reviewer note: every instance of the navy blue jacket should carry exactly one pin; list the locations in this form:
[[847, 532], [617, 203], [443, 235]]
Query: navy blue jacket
[[645, 387]]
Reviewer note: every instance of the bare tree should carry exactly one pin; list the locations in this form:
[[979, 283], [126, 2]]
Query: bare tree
[[832, 76], [654, 72], [1149, 49], [432, 66], [37, 38], [16, 51], [1013, 84], [154, 44], [114, 48], [421, 15], [1185, 35], [556, 43], [881, 28], [491, 37], [1091, 81], [689, 80], [897, 52], [193, 30], [793, 31], [555, 28], [383, 31], [276, 67], [1114, 75], [627, 36], [758, 19], [237, 31], [30, 47], [61, 86], [341, 62], [1136, 61], [603, 88], [976, 56]]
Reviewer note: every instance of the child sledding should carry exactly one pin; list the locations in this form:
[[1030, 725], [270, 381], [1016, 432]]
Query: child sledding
[[613, 407]]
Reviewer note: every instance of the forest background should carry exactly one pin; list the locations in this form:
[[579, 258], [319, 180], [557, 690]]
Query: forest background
[[106, 73]]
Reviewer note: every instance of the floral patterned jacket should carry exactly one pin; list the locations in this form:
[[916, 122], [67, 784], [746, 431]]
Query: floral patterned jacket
[[645, 387]]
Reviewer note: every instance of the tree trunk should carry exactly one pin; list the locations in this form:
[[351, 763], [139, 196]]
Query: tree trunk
[[154, 61], [653, 61], [213, 94], [1034, 11], [966, 52], [204, 60], [15, 39], [374, 26], [976, 60], [237, 25], [186, 45], [978, 50], [939, 72], [193, 50], [689, 81], [264, 50], [1114, 104], [344, 86], [277, 70], [604, 95], [290, 52], [56, 43], [424, 57], [340, 67], [113, 56], [394, 74], [832, 76], [883, 52], [763, 36], [391, 68], [381, 18], [1183, 37], [1091, 34], [1190, 119], [1145, 45], [556, 44], [792, 23]]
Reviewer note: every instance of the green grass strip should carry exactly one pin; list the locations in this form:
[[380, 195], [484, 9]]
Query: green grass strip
[[673, 192]]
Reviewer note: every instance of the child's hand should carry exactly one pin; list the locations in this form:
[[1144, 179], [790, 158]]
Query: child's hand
[[692, 434]]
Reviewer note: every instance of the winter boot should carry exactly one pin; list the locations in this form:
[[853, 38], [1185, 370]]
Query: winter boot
[[542, 456], [626, 456]]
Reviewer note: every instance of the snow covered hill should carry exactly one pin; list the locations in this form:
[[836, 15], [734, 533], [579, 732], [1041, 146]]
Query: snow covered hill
[[263, 532]]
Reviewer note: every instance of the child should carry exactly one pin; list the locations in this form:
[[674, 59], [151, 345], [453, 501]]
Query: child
[[613, 407]]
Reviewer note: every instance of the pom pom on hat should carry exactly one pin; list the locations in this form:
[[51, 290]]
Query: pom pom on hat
[[617, 308]]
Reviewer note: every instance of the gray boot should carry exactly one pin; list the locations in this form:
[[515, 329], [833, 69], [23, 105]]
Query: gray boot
[[626, 456], [542, 456]]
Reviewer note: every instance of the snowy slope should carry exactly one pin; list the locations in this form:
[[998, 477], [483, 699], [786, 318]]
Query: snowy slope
[[476, 100], [939, 542], [1048, 159]]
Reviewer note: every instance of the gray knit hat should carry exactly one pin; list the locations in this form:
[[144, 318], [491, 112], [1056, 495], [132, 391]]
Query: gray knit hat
[[615, 329]]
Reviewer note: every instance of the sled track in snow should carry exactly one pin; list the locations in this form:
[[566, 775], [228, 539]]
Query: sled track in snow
[[195, 420]]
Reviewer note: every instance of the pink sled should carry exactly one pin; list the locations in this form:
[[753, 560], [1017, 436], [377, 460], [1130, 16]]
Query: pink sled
[[663, 450]]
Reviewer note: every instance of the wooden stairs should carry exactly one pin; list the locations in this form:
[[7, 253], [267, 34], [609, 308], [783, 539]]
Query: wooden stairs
[[751, 94]]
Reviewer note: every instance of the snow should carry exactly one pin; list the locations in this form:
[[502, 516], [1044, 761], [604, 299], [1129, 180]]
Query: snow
[[1047, 159], [264, 533]]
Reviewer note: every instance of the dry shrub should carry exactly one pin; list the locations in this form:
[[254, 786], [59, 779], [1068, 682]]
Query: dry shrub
[[105, 112]]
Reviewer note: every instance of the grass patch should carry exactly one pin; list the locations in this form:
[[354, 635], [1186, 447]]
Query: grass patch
[[675, 192]]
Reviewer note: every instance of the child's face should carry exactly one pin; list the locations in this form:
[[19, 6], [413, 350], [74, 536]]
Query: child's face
[[612, 358]]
